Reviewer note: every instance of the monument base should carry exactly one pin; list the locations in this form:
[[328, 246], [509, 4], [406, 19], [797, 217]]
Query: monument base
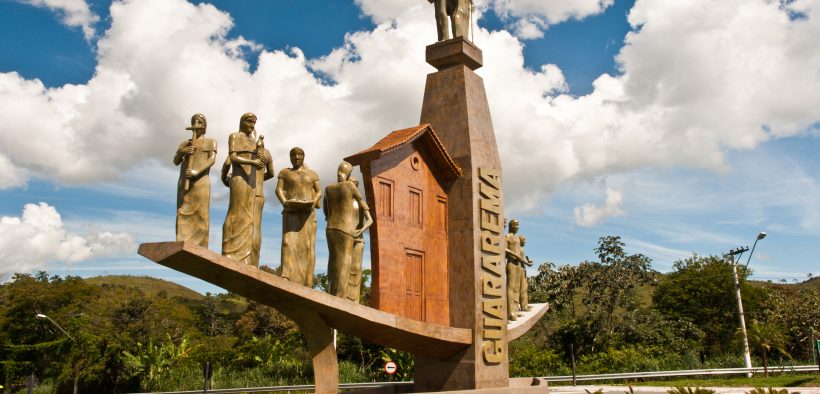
[[516, 385]]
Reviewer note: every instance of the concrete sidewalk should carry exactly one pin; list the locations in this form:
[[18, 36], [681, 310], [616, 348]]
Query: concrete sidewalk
[[663, 390]]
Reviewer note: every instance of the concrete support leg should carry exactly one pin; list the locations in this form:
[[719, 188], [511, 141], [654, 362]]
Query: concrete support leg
[[320, 342]]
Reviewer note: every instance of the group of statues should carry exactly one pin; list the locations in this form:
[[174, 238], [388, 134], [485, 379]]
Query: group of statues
[[246, 168], [517, 263]]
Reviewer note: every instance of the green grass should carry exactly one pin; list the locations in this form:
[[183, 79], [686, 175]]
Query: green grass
[[785, 380]]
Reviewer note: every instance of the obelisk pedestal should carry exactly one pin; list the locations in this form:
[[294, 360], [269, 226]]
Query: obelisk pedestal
[[455, 104]]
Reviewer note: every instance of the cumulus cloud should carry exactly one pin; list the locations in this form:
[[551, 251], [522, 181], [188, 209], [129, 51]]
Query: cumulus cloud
[[38, 237], [74, 13], [531, 17], [589, 215], [693, 84]]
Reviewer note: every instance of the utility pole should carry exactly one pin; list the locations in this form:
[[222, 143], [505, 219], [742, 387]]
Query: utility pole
[[747, 357]]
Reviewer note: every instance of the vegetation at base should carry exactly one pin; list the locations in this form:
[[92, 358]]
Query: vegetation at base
[[138, 338], [616, 314], [611, 314], [690, 390]]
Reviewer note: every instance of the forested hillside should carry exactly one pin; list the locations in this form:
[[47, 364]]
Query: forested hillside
[[613, 313]]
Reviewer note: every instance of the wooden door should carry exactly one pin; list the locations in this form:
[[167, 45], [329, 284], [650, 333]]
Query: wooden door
[[414, 285]]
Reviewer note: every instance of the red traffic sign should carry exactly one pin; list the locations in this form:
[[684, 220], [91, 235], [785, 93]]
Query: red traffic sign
[[390, 367]]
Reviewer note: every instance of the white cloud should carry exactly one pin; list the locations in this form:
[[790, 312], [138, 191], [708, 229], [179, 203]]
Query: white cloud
[[694, 84], [29, 242], [531, 17], [74, 13], [11, 176], [589, 215]]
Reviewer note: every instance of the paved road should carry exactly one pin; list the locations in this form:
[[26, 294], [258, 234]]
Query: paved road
[[662, 390]]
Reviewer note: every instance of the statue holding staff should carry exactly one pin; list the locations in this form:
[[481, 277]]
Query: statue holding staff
[[250, 165], [344, 208], [453, 13], [195, 158], [299, 192]]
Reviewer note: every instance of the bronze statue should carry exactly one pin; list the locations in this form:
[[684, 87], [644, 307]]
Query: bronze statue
[[453, 13], [250, 165], [344, 207], [524, 286], [513, 253], [298, 191], [194, 158], [354, 288]]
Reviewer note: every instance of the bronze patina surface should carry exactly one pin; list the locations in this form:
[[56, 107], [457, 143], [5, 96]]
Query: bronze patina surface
[[452, 15], [513, 258], [250, 165], [348, 216], [195, 158], [299, 192]]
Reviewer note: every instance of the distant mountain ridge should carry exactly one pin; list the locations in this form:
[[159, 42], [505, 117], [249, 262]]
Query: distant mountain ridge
[[148, 285]]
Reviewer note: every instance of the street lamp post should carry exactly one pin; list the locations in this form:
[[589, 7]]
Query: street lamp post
[[42, 316], [76, 366], [747, 357]]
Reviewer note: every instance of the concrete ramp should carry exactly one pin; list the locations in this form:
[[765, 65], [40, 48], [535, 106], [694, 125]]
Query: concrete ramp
[[528, 319], [292, 299]]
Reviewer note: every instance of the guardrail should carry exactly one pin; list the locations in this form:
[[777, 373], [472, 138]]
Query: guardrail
[[562, 378], [690, 372]]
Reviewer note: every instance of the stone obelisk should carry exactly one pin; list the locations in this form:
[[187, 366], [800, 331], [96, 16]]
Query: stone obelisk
[[455, 104]]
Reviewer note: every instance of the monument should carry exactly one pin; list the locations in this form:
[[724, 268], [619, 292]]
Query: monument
[[348, 216], [299, 192], [195, 158], [437, 243], [250, 165]]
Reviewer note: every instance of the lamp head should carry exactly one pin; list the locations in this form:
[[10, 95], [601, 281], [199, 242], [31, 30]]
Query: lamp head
[[41, 316], [761, 235]]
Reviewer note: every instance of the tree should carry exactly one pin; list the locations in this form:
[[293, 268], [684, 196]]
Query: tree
[[701, 290], [601, 287], [765, 338]]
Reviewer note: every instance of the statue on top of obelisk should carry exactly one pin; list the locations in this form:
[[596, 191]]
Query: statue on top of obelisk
[[453, 13]]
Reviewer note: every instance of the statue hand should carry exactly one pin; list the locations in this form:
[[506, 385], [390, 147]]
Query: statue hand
[[188, 150], [264, 159], [259, 163]]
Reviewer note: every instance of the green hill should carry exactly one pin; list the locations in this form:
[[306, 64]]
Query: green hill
[[148, 285]]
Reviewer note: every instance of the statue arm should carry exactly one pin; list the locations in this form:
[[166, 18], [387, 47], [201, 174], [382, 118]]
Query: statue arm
[[192, 173], [318, 190], [280, 192], [184, 149], [268, 165], [324, 205], [234, 155], [224, 175], [368, 219]]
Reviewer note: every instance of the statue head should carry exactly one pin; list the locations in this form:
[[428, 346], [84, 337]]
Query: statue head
[[354, 180], [297, 157], [514, 226], [198, 122], [344, 171], [247, 123], [523, 240]]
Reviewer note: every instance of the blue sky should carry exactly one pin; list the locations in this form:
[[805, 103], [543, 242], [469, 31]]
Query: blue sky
[[681, 133]]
